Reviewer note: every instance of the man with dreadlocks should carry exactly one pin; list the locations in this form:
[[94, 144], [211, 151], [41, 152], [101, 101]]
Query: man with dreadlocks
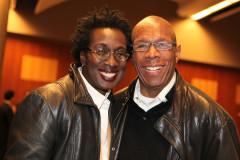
[[68, 119]]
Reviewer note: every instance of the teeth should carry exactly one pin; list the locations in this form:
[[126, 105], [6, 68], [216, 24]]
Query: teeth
[[153, 69], [108, 75]]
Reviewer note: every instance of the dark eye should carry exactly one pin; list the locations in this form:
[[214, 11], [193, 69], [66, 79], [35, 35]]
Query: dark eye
[[140, 46], [101, 51], [121, 54], [161, 44], [121, 51]]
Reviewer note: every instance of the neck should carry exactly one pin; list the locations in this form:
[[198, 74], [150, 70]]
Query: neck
[[150, 92]]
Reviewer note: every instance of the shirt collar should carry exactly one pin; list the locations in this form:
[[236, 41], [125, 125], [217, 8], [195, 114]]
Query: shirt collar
[[94, 93], [164, 92], [147, 103]]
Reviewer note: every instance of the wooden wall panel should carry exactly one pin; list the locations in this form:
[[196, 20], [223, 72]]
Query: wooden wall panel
[[36, 68], [18, 46], [210, 87]]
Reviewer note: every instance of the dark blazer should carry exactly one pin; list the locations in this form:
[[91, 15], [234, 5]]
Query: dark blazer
[[196, 127], [6, 115]]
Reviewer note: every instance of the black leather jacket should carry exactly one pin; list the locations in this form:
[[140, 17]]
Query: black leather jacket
[[58, 121], [196, 126]]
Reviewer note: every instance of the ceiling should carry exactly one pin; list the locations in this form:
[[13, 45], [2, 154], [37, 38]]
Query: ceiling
[[57, 18], [185, 7]]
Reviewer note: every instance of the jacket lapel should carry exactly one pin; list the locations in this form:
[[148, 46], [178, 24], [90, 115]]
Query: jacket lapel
[[168, 124], [80, 94], [171, 133]]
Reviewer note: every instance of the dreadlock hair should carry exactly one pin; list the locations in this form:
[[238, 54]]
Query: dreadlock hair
[[102, 19]]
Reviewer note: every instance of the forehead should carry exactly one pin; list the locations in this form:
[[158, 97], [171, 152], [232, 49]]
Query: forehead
[[107, 35], [152, 31]]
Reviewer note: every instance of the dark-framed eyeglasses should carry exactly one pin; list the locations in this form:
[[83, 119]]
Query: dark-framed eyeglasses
[[160, 46], [119, 55]]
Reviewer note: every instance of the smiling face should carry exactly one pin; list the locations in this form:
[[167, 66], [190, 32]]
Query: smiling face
[[104, 75], [155, 68]]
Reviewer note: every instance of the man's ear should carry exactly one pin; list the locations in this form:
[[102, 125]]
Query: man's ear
[[83, 58], [177, 53]]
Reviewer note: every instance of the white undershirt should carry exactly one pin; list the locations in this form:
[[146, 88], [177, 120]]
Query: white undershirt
[[103, 105], [147, 103]]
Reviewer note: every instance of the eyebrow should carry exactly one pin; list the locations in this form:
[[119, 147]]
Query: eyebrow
[[105, 45], [158, 40], [100, 44]]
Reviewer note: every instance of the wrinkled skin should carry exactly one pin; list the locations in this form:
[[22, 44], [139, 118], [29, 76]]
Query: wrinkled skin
[[155, 68]]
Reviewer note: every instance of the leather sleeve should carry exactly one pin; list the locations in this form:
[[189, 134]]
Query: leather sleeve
[[32, 134], [225, 144]]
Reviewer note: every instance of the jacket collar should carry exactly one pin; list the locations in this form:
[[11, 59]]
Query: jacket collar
[[122, 98], [168, 124], [80, 94]]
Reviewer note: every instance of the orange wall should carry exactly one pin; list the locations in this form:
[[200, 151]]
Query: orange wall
[[18, 46]]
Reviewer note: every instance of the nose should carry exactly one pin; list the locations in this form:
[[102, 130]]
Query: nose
[[152, 52], [111, 61]]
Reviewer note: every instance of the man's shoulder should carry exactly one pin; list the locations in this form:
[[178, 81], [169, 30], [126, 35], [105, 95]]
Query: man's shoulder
[[126, 92], [197, 95], [196, 102], [192, 95], [203, 106], [4, 107], [53, 86], [121, 93], [52, 91]]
